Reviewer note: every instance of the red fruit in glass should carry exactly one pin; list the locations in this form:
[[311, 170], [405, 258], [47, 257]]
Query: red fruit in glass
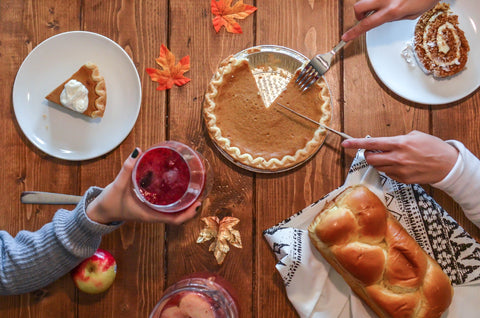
[[200, 295], [169, 177]]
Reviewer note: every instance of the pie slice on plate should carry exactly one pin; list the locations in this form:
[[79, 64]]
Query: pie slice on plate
[[84, 92], [266, 138]]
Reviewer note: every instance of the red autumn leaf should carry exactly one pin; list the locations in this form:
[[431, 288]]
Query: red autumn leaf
[[170, 73], [225, 14]]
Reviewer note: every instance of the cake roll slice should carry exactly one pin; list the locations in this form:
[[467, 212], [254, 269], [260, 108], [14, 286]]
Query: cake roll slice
[[440, 46]]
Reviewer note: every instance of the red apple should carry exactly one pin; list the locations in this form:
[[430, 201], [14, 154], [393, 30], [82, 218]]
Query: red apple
[[95, 274]]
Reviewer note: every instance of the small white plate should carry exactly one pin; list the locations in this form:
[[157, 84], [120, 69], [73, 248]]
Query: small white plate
[[60, 132], [385, 44]]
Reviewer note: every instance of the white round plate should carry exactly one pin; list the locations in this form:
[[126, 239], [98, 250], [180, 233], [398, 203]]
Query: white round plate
[[384, 47], [60, 132]]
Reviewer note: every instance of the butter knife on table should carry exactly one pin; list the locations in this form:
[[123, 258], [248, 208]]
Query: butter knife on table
[[38, 197], [344, 135]]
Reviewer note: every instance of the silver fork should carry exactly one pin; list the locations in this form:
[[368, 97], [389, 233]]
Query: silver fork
[[319, 65]]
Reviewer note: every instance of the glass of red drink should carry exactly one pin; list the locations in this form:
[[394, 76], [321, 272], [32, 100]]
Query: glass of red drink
[[201, 295], [170, 177]]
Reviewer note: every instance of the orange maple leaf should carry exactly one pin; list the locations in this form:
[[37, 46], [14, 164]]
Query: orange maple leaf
[[170, 73], [225, 14]]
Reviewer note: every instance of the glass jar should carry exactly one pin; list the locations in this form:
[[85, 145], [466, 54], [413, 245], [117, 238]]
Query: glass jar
[[201, 295]]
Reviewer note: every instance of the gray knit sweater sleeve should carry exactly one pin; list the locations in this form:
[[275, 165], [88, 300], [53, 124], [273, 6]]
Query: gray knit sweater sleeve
[[33, 260]]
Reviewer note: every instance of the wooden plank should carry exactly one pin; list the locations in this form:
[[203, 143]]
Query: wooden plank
[[310, 28], [24, 24], [395, 115], [367, 98], [138, 248], [260, 201], [458, 121], [192, 33]]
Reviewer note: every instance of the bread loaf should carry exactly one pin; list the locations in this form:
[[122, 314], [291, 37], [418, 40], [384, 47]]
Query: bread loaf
[[380, 261]]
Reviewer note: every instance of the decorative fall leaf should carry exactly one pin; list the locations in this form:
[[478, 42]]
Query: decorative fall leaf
[[170, 73], [211, 229], [223, 233], [225, 14]]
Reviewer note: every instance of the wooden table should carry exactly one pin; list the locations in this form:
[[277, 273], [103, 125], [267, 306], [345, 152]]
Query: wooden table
[[153, 256]]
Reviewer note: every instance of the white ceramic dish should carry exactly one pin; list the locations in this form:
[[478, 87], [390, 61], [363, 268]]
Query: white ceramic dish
[[384, 47], [60, 132]]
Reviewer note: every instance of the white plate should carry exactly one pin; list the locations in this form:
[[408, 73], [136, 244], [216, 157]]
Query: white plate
[[58, 131], [384, 47]]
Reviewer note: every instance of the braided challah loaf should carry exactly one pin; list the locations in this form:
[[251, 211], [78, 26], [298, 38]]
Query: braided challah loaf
[[380, 261]]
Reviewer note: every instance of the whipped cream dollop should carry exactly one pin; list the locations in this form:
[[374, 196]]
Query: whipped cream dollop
[[75, 96]]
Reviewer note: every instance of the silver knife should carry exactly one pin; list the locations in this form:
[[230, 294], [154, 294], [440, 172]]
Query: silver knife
[[38, 197], [344, 135]]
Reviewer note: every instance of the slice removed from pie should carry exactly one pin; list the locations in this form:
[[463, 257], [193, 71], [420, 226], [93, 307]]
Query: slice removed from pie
[[84, 92], [266, 138]]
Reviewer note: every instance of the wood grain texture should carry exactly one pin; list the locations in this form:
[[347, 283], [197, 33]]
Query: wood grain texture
[[137, 247], [192, 33], [299, 25], [24, 25], [152, 257], [458, 121], [394, 115]]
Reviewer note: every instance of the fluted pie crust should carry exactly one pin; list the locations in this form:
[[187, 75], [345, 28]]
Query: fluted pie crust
[[269, 139], [90, 77]]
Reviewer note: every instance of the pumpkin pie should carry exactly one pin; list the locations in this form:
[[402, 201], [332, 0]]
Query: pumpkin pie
[[267, 138], [89, 81], [440, 46]]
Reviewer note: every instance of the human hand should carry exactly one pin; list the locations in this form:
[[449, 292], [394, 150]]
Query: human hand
[[413, 158], [385, 11], [118, 202]]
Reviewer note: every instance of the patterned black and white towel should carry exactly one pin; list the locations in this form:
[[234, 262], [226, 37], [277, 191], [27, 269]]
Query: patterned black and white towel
[[316, 290]]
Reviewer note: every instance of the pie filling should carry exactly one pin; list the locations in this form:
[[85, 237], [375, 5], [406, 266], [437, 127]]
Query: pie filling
[[265, 138]]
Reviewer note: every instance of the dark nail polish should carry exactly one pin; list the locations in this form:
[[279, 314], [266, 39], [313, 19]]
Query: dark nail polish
[[135, 153]]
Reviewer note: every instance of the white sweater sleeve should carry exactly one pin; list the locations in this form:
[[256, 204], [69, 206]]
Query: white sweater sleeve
[[463, 182]]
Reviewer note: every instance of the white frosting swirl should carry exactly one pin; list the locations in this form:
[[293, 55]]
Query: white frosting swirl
[[441, 43], [75, 96]]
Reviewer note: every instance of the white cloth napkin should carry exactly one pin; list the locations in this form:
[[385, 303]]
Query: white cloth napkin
[[317, 290]]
